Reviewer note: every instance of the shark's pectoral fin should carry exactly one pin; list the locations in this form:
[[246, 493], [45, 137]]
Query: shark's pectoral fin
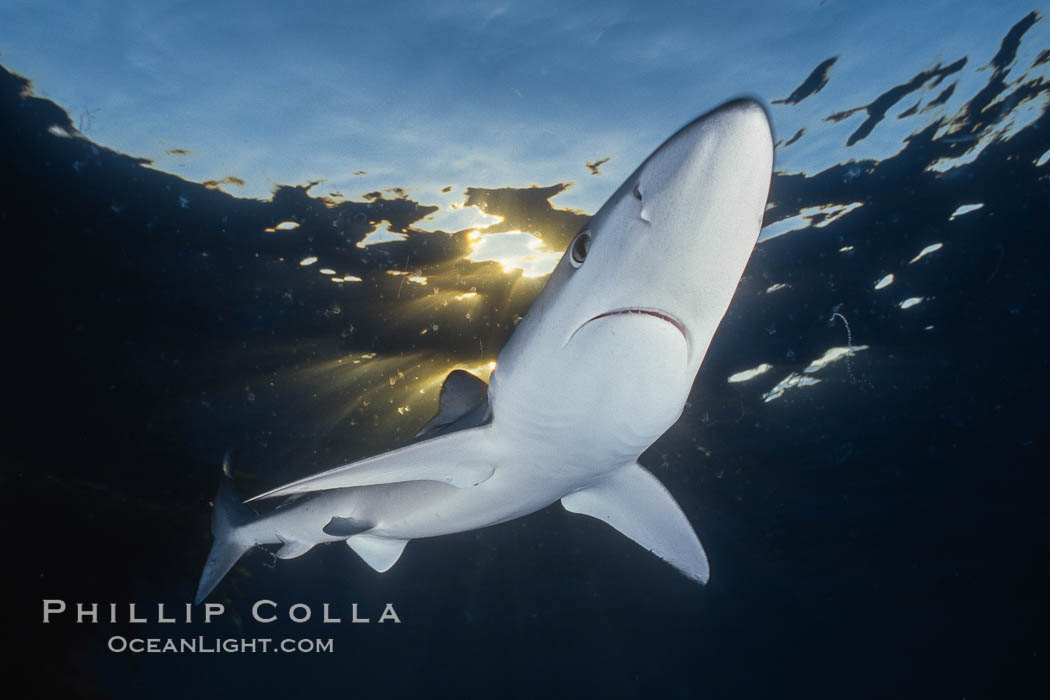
[[635, 503], [293, 549], [462, 459], [380, 553], [463, 403]]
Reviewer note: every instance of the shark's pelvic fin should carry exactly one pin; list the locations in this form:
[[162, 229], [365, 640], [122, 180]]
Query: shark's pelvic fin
[[345, 527], [463, 403], [380, 553], [227, 515], [462, 459], [293, 549], [635, 503]]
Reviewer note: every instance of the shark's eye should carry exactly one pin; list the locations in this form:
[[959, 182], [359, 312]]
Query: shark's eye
[[578, 249], [637, 192]]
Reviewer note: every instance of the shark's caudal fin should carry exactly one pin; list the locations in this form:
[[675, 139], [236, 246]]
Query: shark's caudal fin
[[635, 503], [227, 515]]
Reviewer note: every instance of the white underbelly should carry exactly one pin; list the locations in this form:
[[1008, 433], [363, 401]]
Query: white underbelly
[[418, 509]]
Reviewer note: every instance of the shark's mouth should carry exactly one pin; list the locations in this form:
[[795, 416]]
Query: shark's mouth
[[656, 313], [649, 312]]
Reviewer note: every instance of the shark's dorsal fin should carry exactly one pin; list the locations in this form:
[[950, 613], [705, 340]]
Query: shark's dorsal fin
[[380, 553], [462, 403], [635, 503], [462, 459]]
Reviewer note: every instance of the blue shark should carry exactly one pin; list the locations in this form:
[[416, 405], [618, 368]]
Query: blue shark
[[597, 370]]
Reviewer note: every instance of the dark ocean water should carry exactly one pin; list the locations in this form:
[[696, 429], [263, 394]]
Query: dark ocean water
[[882, 533]]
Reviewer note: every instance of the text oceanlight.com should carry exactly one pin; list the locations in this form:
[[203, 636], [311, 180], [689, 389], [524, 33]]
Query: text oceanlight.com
[[214, 645]]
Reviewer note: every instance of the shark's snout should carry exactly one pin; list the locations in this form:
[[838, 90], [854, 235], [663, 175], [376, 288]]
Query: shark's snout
[[741, 109], [742, 120], [738, 131]]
